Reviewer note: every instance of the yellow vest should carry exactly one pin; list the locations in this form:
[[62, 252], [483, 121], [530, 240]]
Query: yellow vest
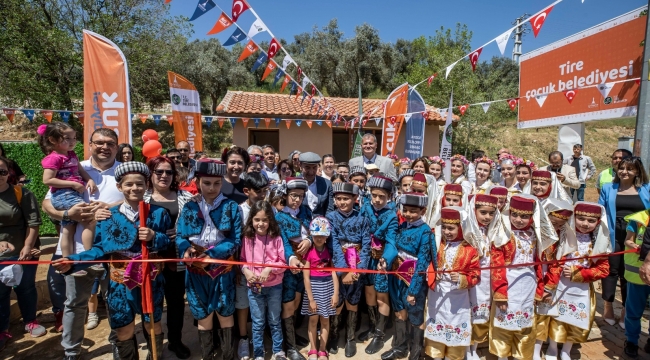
[[632, 262]]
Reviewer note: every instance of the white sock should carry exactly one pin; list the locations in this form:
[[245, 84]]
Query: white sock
[[473, 349], [537, 355], [552, 348], [468, 353], [566, 350], [503, 358]]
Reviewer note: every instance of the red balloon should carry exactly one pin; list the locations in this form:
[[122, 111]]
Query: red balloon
[[149, 134], [152, 148]]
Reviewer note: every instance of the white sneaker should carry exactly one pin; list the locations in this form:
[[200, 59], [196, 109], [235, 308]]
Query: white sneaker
[[279, 356], [79, 273], [93, 321], [242, 350], [259, 358]]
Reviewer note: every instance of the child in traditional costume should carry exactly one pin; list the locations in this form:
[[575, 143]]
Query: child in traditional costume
[[359, 178], [419, 183], [449, 324], [545, 184], [120, 238], [416, 249], [516, 289], [210, 228], [383, 227], [560, 214], [501, 193], [351, 248], [575, 297], [293, 219], [404, 182], [484, 211]]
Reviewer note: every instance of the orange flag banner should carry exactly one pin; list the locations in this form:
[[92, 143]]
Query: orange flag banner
[[329, 123], [10, 113], [308, 123], [106, 89], [220, 121], [143, 117], [47, 114], [395, 109], [267, 121], [269, 68], [245, 122], [222, 24], [286, 81], [186, 107], [288, 123], [170, 120], [249, 49]]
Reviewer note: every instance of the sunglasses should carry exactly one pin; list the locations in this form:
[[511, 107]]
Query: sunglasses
[[4, 172], [110, 144], [173, 157], [161, 172], [184, 150], [285, 169]]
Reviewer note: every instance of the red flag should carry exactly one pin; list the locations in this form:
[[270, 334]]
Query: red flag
[[513, 103], [267, 121], [249, 49], [220, 121], [570, 94], [274, 47], [286, 81], [10, 113], [47, 114], [288, 123], [269, 68], [238, 7], [298, 92], [473, 57], [143, 117], [245, 122], [429, 80], [463, 108], [222, 24], [299, 73], [329, 123], [637, 81], [147, 296], [537, 21], [392, 120], [313, 90], [308, 123], [425, 115]]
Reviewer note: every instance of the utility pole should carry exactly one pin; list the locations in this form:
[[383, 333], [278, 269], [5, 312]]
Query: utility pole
[[519, 35], [642, 131]]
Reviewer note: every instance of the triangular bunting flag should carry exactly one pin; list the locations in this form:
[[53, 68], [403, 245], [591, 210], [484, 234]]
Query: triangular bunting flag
[[377, 120], [201, 8], [170, 120], [222, 24], [286, 61], [232, 122], [143, 117], [605, 89], [11, 113], [502, 41], [29, 114], [274, 47], [541, 98], [257, 122], [249, 49], [220, 122], [238, 7], [304, 95], [269, 68], [260, 60], [570, 94], [329, 123], [287, 123], [299, 73], [429, 80], [287, 79], [156, 119], [245, 122], [407, 117], [236, 37], [463, 108], [257, 27], [319, 122], [277, 122], [208, 120], [267, 121], [78, 114], [65, 116], [305, 81], [473, 57], [537, 21], [449, 69], [638, 81], [298, 122], [312, 104], [513, 103], [485, 106], [47, 114], [278, 75]]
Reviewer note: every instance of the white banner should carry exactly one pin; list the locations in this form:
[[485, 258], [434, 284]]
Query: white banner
[[449, 69], [286, 61], [257, 27], [485, 106], [605, 89], [502, 40], [540, 99], [445, 147], [305, 81]]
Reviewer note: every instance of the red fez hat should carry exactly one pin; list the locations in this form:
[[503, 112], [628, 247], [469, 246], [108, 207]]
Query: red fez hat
[[590, 210], [486, 200], [562, 214], [541, 175], [449, 216], [499, 192], [453, 189], [522, 205]]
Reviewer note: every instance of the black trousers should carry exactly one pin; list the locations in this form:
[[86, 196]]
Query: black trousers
[[616, 268], [174, 297]]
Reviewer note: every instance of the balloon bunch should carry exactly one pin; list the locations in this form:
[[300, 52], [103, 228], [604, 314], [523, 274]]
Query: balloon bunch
[[152, 147]]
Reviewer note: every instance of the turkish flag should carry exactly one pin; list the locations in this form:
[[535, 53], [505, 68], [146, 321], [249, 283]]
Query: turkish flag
[[249, 49], [274, 47], [473, 57], [513, 103], [269, 68], [299, 73], [463, 108], [238, 7], [429, 80], [570, 94], [537, 21], [222, 24]]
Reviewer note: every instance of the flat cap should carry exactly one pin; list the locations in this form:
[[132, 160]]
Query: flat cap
[[131, 167], [309, 158]]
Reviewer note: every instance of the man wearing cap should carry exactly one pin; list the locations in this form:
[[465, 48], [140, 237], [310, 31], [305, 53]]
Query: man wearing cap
[[319, 197], [369, 156]]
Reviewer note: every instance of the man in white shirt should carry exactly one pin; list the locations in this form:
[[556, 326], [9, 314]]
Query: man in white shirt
[[369, 156], [76, 289], [270, 167]]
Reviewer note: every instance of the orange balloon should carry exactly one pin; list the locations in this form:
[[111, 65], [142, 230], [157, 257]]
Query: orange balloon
[[152, 148], [149, 134]]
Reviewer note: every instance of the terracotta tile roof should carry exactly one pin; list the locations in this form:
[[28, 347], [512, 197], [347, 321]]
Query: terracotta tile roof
[[262, 105]]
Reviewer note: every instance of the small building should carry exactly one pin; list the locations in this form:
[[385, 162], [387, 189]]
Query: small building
[[320, 139]]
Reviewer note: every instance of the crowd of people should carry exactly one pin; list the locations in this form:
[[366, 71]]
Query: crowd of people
[[500, 253]]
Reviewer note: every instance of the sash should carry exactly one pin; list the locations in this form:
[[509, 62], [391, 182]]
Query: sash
[[376, 247], [213, 270], [405, 264], [130, 273]]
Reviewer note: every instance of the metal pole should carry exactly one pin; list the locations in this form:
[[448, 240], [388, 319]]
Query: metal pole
[[516, 50], [641, 145]]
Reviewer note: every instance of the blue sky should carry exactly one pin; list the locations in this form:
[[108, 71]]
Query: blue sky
[[409, 19]]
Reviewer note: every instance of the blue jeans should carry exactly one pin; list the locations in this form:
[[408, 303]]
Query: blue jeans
[[266, 305], [56, 287], [64, 199], [634, 306], [581, 192], [26, 295]]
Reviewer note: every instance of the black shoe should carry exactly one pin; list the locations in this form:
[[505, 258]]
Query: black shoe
[[207, 344], [350, 343], [71, 357], [289, 333], [377, 342], [646, 348], [631, 350], [333, 336], [126, 350], [226, 342], [372, 316], [400, 349], [159, 347], [417, 342], [180, 350]]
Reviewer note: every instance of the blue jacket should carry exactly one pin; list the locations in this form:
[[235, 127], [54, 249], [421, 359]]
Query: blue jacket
[[608, 200]]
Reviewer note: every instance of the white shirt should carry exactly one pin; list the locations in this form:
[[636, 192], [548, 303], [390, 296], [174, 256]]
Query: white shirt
[[210, 235], [372, 160], [106, 192], [312, 197], [244, 210], [272, 174]]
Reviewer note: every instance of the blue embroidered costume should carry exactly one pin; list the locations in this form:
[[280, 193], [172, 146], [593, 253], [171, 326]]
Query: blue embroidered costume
[[117, 236], [383, 227], [293, 229], [211, 289]]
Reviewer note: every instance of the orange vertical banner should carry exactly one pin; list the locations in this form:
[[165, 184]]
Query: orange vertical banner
[[186, 108], [106, 89], [394, 118]]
